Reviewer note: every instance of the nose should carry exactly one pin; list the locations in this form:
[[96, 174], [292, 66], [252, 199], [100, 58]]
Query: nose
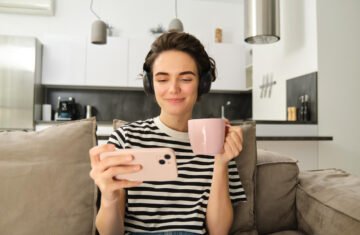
[[174, 87]]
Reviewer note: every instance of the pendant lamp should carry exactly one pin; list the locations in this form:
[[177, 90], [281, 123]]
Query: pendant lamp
[[262, 21], [98, 29], [175, 24]]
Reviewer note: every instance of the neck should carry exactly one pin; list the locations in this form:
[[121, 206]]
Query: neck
[[178, 123]]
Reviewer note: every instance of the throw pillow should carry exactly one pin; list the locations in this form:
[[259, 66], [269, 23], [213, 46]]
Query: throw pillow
[[244, 217], [45, 183]]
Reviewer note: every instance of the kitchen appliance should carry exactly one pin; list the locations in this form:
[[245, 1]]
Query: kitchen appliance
[[20, 77], [66, 110]]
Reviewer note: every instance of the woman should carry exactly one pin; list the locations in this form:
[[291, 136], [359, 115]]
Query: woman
[[177, 70]]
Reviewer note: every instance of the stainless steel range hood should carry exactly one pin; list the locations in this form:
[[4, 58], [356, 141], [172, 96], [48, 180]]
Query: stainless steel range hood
[[262, 21]]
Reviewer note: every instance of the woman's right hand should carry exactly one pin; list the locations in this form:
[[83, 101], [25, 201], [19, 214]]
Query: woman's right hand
[[103, 172]]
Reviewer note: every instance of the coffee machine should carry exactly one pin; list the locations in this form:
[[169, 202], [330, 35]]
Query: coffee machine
[[66, 109]]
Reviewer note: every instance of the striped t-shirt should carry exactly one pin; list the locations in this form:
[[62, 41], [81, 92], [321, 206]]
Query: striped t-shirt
[[178, 205]]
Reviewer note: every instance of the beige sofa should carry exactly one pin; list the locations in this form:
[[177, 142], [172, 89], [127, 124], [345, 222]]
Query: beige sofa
[[46, 188]]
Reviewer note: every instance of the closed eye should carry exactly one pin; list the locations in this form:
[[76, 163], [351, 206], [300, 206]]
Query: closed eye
[[186, 79], [161, 79]]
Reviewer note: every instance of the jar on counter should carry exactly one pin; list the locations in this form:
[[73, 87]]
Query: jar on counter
[[291, 113], [218, 35]]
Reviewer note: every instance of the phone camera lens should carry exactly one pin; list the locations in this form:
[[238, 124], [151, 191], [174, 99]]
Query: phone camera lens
[[167, 156], [162, 162]]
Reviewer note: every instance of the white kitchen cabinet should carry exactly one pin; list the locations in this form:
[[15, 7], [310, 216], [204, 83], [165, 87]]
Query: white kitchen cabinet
[[138, 49], [63, 60], [230, 63], [75, 61], [107, 65]]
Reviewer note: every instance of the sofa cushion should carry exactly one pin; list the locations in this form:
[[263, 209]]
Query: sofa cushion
[[288, 232], [328, 202], [45, 183], [277, 177], [250, 232], [244, 219]]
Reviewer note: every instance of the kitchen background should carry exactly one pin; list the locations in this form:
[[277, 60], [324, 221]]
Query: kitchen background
[[135, 105], [313, 36], [99, 75]]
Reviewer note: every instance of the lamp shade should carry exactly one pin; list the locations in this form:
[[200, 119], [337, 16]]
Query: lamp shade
[[99, 32], [176, 25], [262, 21]]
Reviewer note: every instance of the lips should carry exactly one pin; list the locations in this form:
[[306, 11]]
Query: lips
[[175, 100]]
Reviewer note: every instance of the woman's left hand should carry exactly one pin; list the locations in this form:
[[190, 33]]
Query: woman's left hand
[[233, 144]]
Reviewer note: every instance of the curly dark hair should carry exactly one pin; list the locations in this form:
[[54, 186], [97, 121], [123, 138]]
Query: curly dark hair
[[187, 43]]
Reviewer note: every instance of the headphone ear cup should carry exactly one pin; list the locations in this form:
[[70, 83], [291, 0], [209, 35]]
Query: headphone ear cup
[[205, 83], [147, 83]]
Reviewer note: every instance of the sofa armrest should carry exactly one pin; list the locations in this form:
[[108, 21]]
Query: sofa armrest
[[328, 202], [276, 181]]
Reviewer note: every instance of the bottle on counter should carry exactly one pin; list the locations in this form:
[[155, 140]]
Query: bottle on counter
[[306, 108], [88, 111], [301, 109]]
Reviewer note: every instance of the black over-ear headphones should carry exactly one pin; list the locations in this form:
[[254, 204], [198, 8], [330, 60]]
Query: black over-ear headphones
[[204, 83]]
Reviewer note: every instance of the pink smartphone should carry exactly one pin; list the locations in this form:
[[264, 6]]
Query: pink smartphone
[[158, 164]]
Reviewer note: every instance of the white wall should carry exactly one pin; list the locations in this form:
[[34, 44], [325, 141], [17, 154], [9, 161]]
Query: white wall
[[294, 55], [132, 18], [305, 152], [339, 83]]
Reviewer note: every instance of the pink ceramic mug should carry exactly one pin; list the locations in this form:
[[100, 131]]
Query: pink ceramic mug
[[207, 135]]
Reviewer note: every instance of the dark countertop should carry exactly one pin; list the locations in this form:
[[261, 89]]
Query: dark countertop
[[277, 122], [294, 138], [284, 122]]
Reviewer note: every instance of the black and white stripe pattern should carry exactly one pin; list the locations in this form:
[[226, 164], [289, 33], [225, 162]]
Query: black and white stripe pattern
[[171, 205]]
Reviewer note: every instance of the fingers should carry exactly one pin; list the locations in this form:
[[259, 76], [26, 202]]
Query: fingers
[[227, 148], [123, 159], [234, 140], [107, 182], [227, 122], [231, 148], [94, 153], [104, 171], [114, 171], [236, 133]]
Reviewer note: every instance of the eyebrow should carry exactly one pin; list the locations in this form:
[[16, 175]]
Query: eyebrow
[[182, 73]]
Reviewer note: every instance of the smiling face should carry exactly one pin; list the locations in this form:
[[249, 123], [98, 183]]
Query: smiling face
[[175, 81]]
